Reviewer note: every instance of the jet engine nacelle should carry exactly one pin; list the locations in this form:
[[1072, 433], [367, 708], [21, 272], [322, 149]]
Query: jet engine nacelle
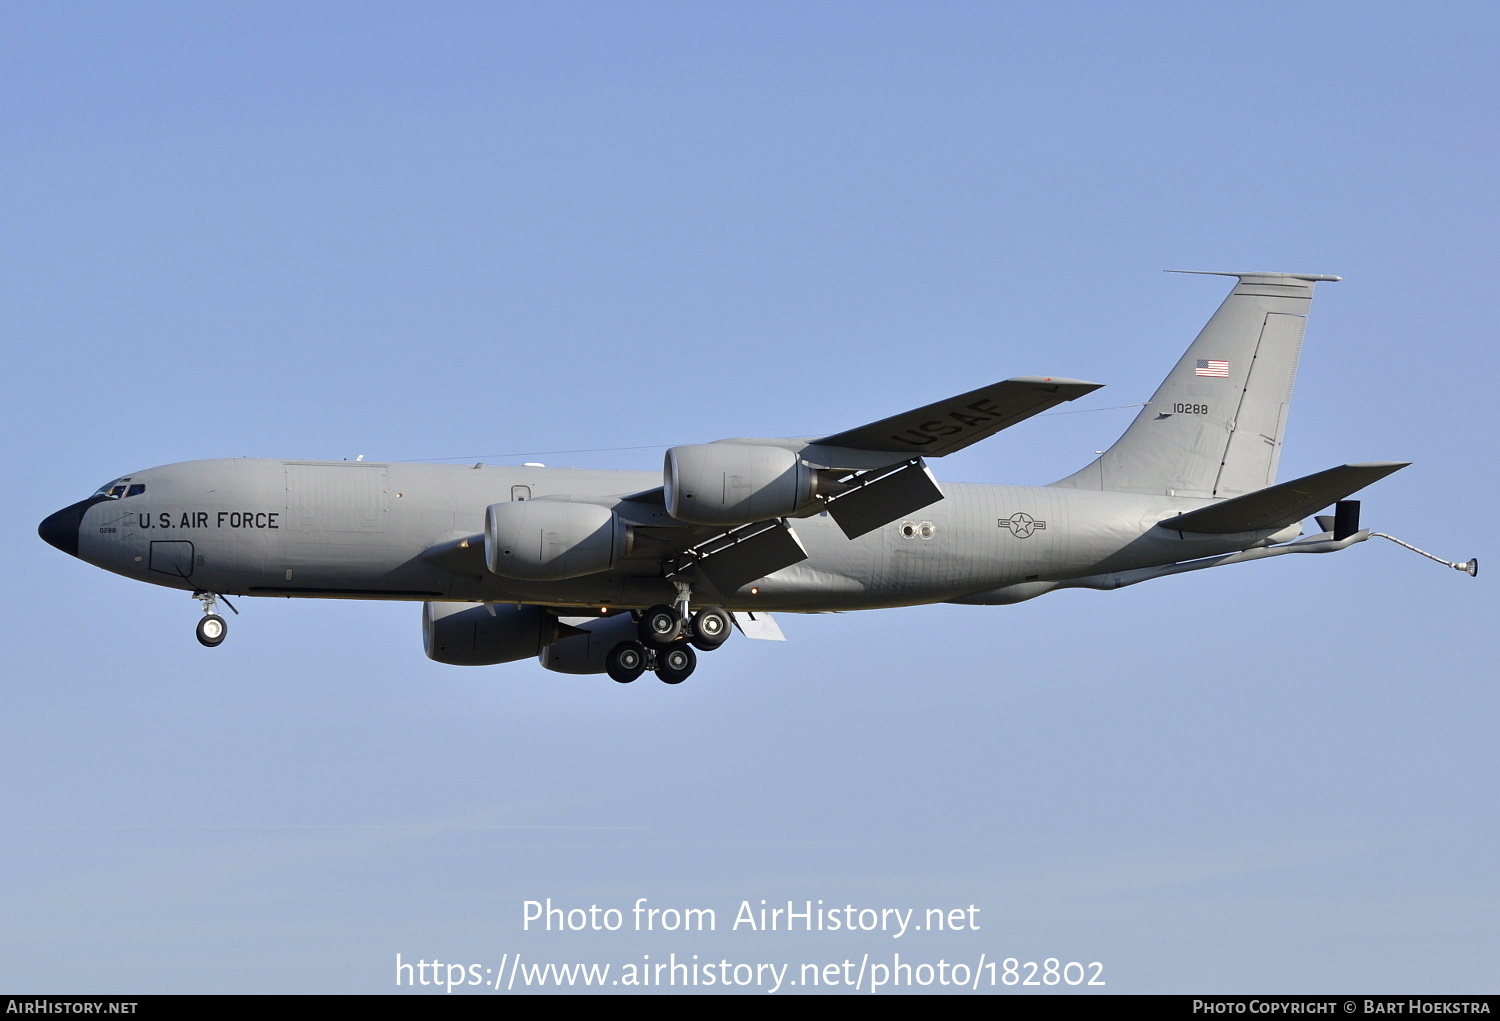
[[734, 483], [549, 540], [584, 654], [466, 634]]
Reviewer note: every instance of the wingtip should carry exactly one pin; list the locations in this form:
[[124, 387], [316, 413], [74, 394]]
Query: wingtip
[[1310, 277], [1080, 384]]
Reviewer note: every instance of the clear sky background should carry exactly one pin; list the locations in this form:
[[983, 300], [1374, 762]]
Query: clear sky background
[[488, 230]]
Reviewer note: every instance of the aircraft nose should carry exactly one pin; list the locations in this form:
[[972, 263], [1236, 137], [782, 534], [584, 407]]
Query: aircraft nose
[[61, 529]]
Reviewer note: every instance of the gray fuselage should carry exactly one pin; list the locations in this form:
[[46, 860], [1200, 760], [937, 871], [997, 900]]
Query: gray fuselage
[[371, 530]]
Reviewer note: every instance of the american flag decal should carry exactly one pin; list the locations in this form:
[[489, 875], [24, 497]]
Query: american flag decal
[[1212, 367]]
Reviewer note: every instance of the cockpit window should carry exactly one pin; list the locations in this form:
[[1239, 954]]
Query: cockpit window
[[120, 488]]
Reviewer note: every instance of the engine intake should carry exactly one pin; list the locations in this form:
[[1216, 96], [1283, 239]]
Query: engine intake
[[734, 483]]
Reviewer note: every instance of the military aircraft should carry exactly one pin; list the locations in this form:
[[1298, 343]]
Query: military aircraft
[[622, 572]]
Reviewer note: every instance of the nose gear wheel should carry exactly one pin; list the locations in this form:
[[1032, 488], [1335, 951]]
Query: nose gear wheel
[[212, 630]]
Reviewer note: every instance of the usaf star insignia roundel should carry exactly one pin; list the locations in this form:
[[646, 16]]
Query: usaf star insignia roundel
[[1020, 524]]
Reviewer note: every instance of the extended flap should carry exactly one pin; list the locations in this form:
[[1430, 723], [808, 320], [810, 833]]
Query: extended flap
[[749, 552], [755, 624], [884, 498]]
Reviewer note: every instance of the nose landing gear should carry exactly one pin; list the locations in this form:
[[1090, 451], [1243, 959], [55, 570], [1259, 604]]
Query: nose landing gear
[[212, 629]]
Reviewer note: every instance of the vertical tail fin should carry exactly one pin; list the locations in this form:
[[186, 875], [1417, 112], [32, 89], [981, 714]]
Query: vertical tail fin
[[1214, 427]]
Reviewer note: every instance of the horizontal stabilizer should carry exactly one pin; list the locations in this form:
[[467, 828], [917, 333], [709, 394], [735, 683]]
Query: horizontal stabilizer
[[1284, 504], [884, 498], [953, 424]]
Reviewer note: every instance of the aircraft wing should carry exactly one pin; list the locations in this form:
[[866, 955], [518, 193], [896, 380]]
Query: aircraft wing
[[1284, 504], [955, 423], [875, 474]]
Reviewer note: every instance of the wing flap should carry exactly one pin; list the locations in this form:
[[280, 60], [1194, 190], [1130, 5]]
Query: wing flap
[[746, 553], [755, 624], [884, 498], [955, 423], [1283, 504]]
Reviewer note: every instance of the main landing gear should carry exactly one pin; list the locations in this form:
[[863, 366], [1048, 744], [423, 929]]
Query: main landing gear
[[668, 636], [627, 661], [212, 629]]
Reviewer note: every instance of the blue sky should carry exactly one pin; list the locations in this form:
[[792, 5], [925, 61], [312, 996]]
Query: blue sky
[[488, 230]]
